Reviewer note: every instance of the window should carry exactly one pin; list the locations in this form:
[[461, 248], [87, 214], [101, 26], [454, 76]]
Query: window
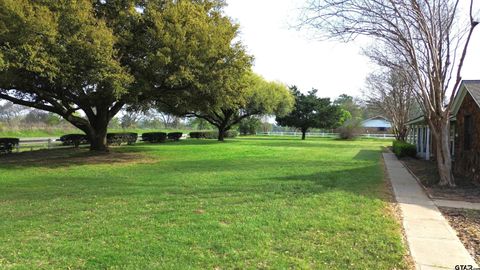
[[382, 129], [468, 132]]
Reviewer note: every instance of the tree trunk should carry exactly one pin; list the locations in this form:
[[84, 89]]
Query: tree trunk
[[98, 139], [221, 133], [443, 156], [304, 134]]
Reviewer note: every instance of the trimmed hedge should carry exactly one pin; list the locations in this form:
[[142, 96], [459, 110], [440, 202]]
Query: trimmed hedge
[[404, 149], [74, 139], [231, 134], [212, 134], [154, 137], [7, 144], [119, 138], [175, 136]]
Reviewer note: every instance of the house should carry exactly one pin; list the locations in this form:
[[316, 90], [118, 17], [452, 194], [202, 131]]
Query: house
[[464, 132], [466, 109], [376, 125]]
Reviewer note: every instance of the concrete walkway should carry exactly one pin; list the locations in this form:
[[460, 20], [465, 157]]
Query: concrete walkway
[[457, 204], [433, 243]]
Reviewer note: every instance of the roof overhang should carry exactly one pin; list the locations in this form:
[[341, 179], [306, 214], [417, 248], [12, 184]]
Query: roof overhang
[[457, 102]]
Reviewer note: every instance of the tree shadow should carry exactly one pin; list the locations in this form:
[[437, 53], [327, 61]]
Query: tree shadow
[[226, 180], [65, 157], [365, 154]]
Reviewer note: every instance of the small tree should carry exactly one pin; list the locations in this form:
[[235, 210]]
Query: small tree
[[349, 104], [249, 126], [311, 112], [390, 93]]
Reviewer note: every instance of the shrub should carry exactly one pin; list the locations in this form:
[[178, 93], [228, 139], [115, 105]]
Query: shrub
[[175, 136], [154, 137], [249, 126], [119, 138], [212, 134], [404, 149], [74, 139], [231, 134], [201, 134], [348, 129], [7, 144]]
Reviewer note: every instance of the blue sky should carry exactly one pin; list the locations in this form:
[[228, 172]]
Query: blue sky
[[287, 55]]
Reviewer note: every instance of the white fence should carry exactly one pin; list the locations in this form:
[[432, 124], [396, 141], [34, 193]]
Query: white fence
[[322, 134], [29, 144]]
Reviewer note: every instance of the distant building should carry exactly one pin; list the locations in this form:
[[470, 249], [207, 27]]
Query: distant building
[[464, 132], [376, 125]]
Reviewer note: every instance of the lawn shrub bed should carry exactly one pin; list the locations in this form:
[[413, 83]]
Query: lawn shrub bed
[[8, 144], [212, 134], [74, 139], [404, 149], [175, 136], [154, 137], [119, 138]]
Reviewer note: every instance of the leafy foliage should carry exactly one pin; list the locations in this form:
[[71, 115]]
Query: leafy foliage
[[7, 144], [404, 149], [74, 139], [311, 111], [175, 136], [348, 130], [236, 99], [212, 134], [154, 137], [119, 138], [249, 126], [97, 56]]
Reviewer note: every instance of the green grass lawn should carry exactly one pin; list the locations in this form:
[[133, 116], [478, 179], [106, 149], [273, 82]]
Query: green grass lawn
[[248, 203]]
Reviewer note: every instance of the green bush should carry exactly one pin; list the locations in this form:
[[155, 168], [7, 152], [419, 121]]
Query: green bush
[[74, 139], [154, 137], [203, 135], [212, 134], [7, 144], [175, 136], [231, 134], [404, 149], [119, 138]]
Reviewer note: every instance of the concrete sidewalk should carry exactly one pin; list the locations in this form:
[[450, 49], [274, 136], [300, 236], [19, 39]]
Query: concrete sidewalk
[[457, 204], [433, 243]]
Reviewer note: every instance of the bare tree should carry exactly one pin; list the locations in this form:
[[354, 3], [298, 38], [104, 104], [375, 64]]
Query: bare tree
[[390, 93], [431, 37]]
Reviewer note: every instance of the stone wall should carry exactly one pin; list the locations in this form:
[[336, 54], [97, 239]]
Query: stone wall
[[467, 161]]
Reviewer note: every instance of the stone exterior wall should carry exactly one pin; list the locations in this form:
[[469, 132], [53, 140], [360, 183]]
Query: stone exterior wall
[[467, 161]]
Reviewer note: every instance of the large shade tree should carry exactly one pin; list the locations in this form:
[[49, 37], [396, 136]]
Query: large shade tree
[[430, 37], [311, 111], [84, 60], [227, 102]]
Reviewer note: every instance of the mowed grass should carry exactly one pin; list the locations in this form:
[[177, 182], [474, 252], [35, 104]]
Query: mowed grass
[[249, 203]]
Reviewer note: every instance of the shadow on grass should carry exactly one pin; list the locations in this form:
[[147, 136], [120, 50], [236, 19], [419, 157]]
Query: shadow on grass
[[362, 181], [139, 154], [55, 158]]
